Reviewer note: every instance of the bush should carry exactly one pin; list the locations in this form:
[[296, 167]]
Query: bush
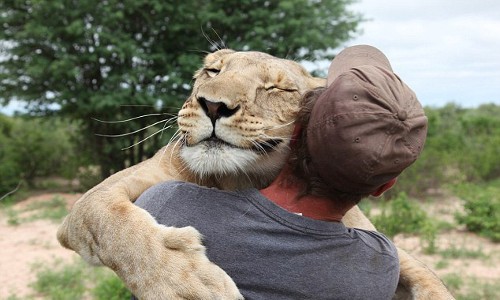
[[401, 215], [462, 146], [35, 147], [10, 174], [482, 208]]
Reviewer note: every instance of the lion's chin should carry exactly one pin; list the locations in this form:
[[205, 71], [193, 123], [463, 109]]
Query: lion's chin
[[222, 160], [207, 159]]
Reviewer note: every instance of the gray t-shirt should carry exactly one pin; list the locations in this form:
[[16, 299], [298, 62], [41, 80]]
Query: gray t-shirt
[[274, 254]]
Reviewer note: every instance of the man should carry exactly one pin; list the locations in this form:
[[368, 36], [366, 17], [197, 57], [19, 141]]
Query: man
[[286, 241]]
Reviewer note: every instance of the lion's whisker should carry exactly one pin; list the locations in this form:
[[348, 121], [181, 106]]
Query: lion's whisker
[[212, 42], [260, 148], [144, 139], [169, 126], [136, 105], [133, 132], [134, 118], [177, 141], [278, 126], [220, 40]]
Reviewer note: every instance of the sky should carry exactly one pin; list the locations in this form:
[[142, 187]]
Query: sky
[[447, 51]]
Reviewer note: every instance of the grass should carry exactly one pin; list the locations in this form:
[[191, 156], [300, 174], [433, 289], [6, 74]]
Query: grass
[[403, 215], [472, 288], [54, 209], [455, 252], [77, 280], [60, 281]]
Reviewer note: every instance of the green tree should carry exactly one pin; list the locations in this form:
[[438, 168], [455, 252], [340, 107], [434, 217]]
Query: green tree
[[33, 147], [94, 58], [9, 169]]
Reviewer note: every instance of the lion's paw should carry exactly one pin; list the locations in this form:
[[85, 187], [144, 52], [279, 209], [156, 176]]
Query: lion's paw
[[188, 272], [185, 238]]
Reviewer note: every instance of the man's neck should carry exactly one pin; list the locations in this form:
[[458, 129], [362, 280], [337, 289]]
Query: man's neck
[[285, 193]]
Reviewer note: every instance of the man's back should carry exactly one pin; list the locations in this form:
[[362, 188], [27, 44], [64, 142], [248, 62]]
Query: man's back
[[273, 254]]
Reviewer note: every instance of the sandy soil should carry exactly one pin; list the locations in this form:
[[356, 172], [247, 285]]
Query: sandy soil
[[23, 245], [487, 266], [35, 242]]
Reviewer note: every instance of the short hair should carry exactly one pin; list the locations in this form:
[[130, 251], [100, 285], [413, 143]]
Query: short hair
[[299, 160]]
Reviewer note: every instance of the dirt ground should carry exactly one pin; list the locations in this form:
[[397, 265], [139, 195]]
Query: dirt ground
[[25, 244], [35, 242], [487, 266]]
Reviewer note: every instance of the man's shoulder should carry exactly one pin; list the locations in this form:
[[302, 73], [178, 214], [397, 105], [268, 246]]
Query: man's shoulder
[[377, 241], [178, 195], [173, 187], [156, 195]]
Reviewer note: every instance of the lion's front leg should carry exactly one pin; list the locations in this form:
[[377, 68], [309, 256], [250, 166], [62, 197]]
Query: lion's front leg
[[154, 261], [85, 228], [176, 267], [418, 281]]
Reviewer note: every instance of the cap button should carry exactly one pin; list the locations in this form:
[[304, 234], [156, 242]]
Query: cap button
[[402, 115]]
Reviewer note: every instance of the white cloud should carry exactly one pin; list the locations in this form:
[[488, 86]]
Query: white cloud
[[445, 50]]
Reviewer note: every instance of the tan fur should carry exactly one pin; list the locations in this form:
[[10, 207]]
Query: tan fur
[[259, 95]]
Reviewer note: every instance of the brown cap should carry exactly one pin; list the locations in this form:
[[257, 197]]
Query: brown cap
[[368, 125]]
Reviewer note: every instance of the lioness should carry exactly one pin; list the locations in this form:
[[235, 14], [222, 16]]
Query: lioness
[[233, 133]]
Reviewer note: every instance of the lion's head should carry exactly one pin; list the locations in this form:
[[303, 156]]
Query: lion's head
[[236, 125]]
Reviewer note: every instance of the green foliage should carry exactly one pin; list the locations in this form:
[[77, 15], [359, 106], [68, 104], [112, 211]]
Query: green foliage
[[77, 281], [94, 59], [111, 288], [60, 281], [401, 215], [453, 281], [54, 209], [455, 252], [470, 288], [88, 177], [9, 169], [482, 208], [462, 146], [35, 147]]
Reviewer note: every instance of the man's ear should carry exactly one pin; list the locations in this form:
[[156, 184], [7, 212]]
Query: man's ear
[[383, 188]]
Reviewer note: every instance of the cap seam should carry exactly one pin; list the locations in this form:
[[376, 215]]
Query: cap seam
[[333, 119]]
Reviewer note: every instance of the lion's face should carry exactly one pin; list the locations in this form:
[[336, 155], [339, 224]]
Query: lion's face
[[239, 118]]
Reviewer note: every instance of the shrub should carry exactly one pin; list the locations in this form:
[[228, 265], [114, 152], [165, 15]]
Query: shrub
[[482, 208], [401, 215], [35, 147], [462, 146], [10, 174]]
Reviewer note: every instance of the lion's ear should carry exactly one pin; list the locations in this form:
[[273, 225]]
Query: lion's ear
[[316, 82], [212, 57]]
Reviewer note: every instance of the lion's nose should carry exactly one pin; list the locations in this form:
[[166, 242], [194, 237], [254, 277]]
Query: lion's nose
[[216, 110]]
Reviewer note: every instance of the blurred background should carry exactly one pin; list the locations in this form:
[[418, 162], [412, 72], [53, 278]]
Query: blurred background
[[88, 88]]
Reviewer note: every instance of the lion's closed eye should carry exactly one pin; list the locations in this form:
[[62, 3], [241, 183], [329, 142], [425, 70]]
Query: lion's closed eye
[[273, 87], [211, 72]]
